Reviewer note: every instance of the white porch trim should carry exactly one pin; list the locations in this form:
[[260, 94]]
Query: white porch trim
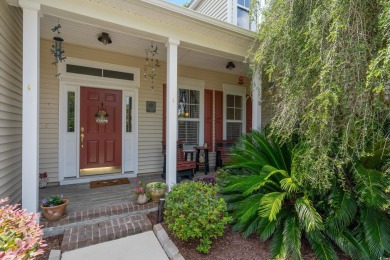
[[72, 82], [256, 100], [30, 124], [171, 138]]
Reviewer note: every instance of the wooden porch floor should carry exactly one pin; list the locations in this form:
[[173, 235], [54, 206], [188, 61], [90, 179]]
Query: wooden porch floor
[[81, 197]]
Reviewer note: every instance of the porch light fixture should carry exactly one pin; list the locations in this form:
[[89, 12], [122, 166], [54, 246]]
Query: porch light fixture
[[230, 65], [105, 38], [151, 63], [56, 48]]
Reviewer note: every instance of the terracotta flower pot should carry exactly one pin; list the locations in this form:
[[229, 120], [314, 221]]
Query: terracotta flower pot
[[142, 199], [55, 212], [155, 194]]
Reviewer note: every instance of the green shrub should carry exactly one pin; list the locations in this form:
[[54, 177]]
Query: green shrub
[[269, 199], [193, 211], [20, 234]]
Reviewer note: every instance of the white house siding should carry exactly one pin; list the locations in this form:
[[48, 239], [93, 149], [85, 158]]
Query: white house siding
[[216, 8], [149, 124], [11, 49]]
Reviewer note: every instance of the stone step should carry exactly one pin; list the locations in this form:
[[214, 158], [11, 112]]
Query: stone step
[[103, 231], [93, 216]]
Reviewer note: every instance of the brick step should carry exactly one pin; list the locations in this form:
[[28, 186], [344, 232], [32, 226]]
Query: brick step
[[103, 231], [94, 215]]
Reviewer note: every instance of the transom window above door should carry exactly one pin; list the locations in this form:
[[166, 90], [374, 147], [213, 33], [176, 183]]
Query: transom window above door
[[188, 116]]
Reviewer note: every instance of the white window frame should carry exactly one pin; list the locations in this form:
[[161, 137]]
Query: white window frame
[[198, 85], [237, 91], [252, 24]]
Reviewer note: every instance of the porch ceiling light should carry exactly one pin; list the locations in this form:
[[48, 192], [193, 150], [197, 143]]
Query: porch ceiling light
[[105, 38], [230, 65]]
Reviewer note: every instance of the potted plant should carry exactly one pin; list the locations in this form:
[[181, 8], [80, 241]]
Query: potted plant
[[54, 206], [141, 194], [157, 190]]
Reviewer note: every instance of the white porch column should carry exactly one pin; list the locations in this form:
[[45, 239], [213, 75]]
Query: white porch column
[[30, 132], [171, 138], [256, 100]]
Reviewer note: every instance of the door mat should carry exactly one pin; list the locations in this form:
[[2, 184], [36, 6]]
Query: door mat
[[112, 182]]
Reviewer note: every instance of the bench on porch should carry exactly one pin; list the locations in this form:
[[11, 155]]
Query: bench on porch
[[183, 167], [223, 152]]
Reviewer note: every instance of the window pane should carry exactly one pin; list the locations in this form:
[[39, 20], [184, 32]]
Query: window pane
[[194, 97], [188, 103], [188, 132], [193, 111], [118, 75], [230, 100], [233, 130], [230, 113], [83, 70], [241, 2], [128, 114], [71, 108], [242, 18], [238, 114], [238, 101]]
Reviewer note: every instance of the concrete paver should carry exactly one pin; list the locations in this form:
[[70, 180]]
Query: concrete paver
[[142, 246]]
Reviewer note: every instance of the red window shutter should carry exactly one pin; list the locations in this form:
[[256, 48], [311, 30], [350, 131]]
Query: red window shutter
[[218, 116], [164, 113], [208, 117], [248, 114]]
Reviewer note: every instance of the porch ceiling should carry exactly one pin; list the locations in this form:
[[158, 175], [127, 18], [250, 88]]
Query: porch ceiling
[[85, 34]]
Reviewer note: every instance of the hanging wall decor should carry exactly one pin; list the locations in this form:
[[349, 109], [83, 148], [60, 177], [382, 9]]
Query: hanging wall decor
[[151, 63], [57, 49], [101, 116]]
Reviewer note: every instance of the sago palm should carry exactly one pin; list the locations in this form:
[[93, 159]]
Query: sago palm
[[267, 199]]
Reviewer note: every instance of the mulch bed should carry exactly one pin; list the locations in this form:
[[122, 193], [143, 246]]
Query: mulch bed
[[54, 243], [232, 245]]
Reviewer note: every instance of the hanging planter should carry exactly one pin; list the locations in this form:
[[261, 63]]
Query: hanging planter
[[101, 116]]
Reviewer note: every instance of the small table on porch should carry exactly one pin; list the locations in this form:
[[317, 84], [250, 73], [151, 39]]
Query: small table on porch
[[190, 152], [206, 158]]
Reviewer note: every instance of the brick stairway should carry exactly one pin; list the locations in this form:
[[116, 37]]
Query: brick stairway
[[97, 225], [103, 231]]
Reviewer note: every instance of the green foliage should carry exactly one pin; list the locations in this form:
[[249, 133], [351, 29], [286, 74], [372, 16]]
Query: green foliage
[[52, 200], [193, 211], [330, 62], [266, 198], [269, 200]]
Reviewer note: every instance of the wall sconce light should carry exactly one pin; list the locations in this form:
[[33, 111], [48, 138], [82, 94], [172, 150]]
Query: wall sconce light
[[230, 65], [105, 38]]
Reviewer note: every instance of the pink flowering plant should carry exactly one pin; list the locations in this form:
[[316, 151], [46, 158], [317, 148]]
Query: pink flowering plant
[[20, 234], [53, 200], [139, 190]]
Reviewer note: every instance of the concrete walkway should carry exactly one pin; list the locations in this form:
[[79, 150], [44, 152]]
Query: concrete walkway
[[142, 246]]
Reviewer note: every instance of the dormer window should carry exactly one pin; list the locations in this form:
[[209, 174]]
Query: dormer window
[[243, 14]]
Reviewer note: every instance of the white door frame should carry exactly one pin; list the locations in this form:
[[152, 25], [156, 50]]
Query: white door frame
[[73, 82]]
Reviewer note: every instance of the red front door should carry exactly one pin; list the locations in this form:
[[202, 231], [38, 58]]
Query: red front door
[[100, 144]]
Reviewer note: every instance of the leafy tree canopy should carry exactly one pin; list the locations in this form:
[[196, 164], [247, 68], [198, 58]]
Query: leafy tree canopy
[[330, 62]]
